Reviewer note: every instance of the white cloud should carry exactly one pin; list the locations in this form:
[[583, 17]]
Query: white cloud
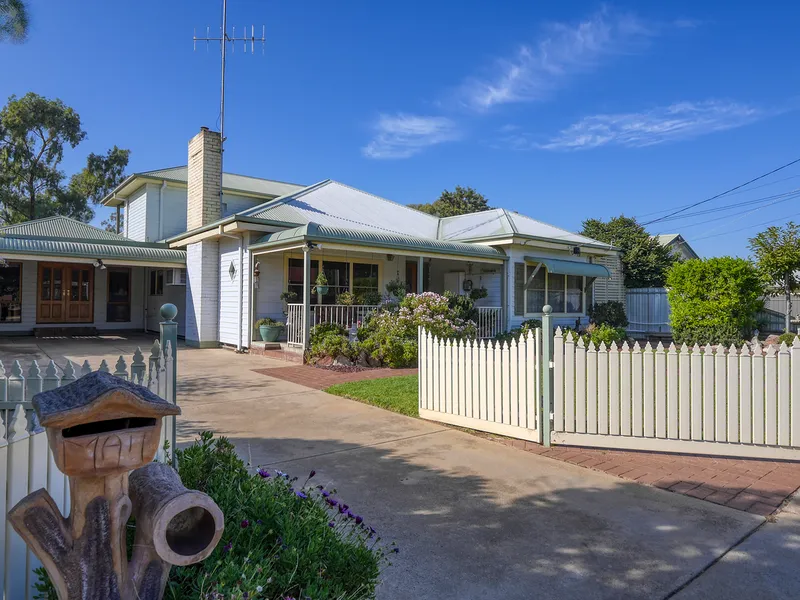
[[403, 135], [678, 121], [535, 71]]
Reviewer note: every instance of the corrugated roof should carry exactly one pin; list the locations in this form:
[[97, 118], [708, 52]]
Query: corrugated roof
[[230, 181], [334, 204], [60, 227], [499, 222], [130, 251], [665, 239], [375, 239]]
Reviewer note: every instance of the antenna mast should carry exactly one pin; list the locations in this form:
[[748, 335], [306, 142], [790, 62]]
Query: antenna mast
[[224, 39]]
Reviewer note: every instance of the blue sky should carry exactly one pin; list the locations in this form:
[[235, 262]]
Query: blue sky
[[560, 110]]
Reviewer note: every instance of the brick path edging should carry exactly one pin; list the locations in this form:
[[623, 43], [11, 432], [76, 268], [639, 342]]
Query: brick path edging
[[754, 486]]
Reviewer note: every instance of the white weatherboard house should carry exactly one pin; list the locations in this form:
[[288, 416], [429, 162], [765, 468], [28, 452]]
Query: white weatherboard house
[[225, 251]]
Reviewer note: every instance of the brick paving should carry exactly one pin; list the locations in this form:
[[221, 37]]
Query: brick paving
[[754, 486], [321, 379]]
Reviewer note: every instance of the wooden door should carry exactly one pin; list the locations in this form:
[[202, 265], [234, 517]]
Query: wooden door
[[78, 299], [411, 276], [65, 293]]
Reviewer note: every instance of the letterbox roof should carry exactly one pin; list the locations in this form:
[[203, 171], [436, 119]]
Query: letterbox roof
[[66, 405]]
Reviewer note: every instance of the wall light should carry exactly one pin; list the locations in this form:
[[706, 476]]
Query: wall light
[[99, 264]]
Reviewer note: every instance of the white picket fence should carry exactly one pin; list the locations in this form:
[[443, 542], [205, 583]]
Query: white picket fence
[[728, 402], [25, 456], [481, 384]]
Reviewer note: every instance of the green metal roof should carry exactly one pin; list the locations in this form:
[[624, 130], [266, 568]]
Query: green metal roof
[[66, 238], [60, 227], [374, 239], [569, 267]]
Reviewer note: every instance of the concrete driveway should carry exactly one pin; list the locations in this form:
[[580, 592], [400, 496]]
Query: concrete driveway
[[473, 518]]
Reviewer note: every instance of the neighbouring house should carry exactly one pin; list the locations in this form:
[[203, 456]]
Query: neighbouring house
[[678, 245], [224, 251]]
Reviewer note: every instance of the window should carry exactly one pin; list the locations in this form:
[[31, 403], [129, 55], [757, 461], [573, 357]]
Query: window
[[365, 281], [295, 278], [564, 293], [157, 282], [338, 276], [10, 286], [118, 309]]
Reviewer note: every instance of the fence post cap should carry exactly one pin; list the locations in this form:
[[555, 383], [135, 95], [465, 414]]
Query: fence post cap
[[547, 309], [169, 312]]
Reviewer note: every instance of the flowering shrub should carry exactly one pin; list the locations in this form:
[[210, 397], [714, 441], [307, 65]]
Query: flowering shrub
[[390, 335], [329, 339], [282, 540]]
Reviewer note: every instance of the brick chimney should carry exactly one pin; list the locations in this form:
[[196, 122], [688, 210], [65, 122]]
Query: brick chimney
[[204, 183], [202, 258]]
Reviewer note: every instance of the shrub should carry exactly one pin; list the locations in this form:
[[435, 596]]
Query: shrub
[[788, 338], [330, 339], [609, 313], [282, 539], [713, 301], [397, 288], [517, 332], [604, 333], [369, 298], [479, 293], [390, 334]]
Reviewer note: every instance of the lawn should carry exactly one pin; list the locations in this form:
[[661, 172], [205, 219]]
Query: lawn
[[398, 394]]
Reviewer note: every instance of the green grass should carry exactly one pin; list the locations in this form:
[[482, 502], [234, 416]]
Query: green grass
[[398, 394]]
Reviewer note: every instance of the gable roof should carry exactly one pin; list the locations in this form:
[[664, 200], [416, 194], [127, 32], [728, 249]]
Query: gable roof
[[60, 227], [677, 243], [335, 204], [499, 222], [374, 239], [231, 182]]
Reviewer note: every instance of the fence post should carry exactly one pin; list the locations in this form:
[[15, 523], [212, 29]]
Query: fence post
[[169, 339], [547, 374]]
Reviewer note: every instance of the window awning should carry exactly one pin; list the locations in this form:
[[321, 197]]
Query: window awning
[[569, 267]]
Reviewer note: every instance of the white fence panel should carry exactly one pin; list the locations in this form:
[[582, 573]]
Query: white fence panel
[[500, 378], [727, 402], [26, 463]]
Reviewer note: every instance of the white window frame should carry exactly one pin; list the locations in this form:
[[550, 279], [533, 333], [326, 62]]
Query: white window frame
[[532, 268]]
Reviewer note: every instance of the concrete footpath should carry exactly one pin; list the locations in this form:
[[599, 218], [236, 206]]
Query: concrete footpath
[[472, 518]]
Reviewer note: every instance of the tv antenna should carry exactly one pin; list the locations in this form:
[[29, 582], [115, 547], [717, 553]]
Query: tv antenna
[[224, 39]]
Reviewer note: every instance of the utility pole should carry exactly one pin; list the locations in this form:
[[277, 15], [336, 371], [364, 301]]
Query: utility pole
[[224, 39]]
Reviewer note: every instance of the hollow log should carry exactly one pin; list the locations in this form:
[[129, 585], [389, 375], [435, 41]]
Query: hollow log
[[174, 526]]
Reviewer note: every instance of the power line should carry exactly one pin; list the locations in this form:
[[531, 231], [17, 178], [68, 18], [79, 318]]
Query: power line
[[789, 164], [791, 196], [762, 200], [748, 227], [757, 187]]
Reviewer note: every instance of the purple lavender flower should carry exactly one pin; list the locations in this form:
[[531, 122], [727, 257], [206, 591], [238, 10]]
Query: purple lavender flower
[[227, 547], [331, 524], [300, 495], [310, 475], [396, 550], [331, 501], [245, 523], [263, 473], [345, 506], [350, 514], [325, 493], [359, 520]]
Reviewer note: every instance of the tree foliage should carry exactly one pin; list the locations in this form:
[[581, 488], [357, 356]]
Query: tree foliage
[[461, 201], [713, 301], [645, 261], [34, 131], [14, 21], [777, 255]]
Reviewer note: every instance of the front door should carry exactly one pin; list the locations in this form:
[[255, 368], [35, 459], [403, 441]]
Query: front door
[[411, 277], [65, 293]]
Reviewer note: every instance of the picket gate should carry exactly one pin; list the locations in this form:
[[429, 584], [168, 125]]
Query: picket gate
[[482, 384]]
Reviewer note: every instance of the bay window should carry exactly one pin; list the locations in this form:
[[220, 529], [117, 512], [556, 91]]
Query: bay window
[[564, 293]]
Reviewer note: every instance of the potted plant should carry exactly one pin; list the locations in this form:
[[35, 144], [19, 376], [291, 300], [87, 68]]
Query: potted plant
[[288, 298], [269, 329], [321, 284], [397, 288], [346, 299]]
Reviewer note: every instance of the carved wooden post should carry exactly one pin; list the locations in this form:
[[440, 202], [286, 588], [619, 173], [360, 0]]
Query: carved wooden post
[[99, 428]]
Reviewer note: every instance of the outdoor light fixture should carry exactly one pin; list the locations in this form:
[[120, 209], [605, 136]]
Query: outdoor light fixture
[[99, 264], [3, 263]]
